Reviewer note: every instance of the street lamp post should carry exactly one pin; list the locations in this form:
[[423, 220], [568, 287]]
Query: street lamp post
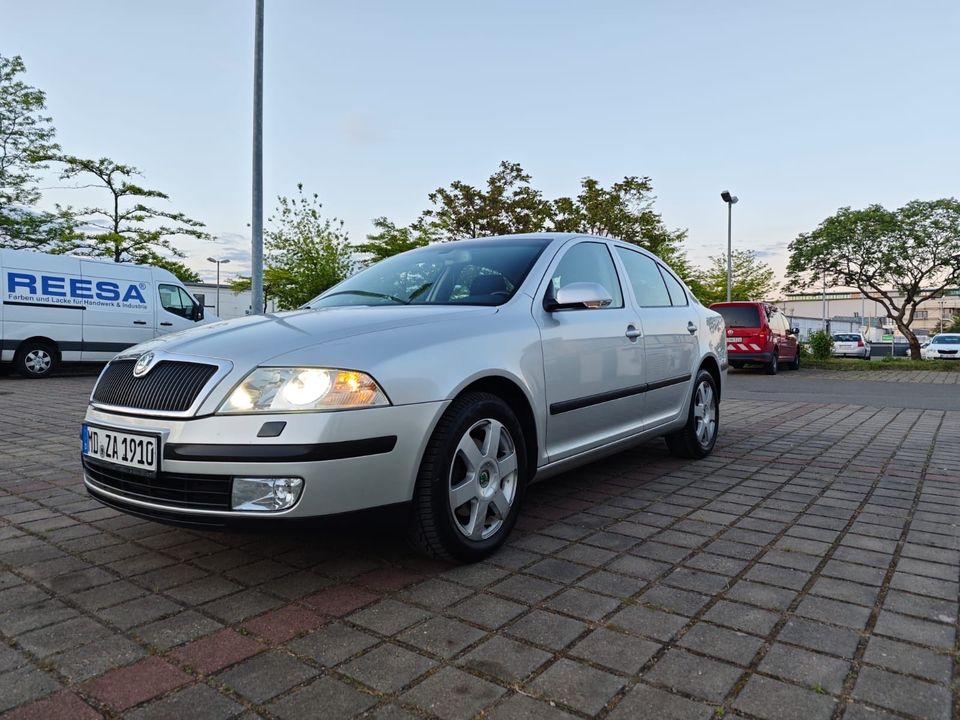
[[729, 200], [219, 263]]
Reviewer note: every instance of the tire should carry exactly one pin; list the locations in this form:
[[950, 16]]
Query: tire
[[693, 441], [460, 464], [774, 365], [35, 359], [795, 363]]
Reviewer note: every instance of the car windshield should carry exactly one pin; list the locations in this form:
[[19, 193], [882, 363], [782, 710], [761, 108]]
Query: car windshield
[[739, 315], [947, 340], [846, 338], [463, 272]]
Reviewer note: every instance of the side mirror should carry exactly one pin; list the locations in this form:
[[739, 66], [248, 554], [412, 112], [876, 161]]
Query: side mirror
[[197, 312], [579, 296], [795, 331]]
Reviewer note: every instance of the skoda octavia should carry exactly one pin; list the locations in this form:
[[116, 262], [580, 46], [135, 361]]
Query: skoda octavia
[[446, 378]]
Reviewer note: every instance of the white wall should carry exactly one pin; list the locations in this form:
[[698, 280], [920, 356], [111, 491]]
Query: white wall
[[232, 304]]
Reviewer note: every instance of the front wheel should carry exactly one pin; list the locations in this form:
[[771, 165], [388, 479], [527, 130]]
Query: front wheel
[[697, 438], [471, 480]]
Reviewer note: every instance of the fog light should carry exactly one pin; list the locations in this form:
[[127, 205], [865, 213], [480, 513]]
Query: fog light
[[265, 494]]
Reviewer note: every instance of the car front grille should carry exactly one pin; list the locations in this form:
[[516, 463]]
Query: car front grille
[[170, 386], [198, 492]]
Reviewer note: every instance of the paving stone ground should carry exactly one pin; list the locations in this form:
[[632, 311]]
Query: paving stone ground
[[809, 568]]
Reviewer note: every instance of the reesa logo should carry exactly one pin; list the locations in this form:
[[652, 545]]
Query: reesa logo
[[57, 286]]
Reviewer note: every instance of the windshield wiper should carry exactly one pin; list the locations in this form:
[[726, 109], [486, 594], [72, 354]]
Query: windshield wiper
[[419, 291], [367, 293]]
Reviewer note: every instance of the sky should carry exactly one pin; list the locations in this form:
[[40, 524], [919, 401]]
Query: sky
[[796, 108]]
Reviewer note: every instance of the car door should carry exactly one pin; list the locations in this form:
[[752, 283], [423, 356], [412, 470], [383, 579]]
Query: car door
[[176, 309], [592, 358], [670, 328]]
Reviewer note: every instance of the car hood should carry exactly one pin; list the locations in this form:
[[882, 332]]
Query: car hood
[[255, 339]]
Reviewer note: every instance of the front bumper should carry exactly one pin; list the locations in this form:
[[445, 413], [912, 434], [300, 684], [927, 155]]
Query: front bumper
[[349, 460]]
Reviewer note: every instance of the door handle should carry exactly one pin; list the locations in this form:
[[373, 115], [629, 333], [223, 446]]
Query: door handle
[[632, 332], [166, 324], [139, 322], [691, 328]]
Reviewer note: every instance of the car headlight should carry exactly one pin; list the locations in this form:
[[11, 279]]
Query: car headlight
[[271, 390]]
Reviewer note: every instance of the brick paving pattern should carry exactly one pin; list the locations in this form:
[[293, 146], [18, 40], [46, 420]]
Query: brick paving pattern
[[808, 569], [927, 377]]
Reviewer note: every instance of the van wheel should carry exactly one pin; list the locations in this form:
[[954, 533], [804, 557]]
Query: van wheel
[[774, 365], [35, 359], [471, 480], [795, 363], [697, 438]]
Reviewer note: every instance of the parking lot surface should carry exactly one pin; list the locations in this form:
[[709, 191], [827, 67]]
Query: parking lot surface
[[807, 569]]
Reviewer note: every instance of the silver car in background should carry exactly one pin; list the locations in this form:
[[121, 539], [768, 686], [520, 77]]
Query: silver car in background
[[447, 378], [851, 345]]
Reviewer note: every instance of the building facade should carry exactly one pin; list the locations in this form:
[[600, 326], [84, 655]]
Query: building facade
[[232, 304]]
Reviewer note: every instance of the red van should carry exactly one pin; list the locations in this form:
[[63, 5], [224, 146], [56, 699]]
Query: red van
[[758, 333]]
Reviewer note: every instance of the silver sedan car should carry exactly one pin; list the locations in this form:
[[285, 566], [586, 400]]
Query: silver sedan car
[[446, 378]]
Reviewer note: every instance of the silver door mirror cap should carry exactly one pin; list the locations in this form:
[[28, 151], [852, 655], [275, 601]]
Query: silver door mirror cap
[[581, 296]]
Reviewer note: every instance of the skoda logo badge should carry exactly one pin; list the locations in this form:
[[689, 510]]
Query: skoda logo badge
[[143, 365]]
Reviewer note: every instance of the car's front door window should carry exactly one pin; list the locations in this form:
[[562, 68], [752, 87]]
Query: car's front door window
[[175, 300], [588, 262]]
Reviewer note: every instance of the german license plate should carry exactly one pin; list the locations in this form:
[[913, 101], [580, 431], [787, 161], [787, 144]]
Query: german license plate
[[120, 448], [734, 339]]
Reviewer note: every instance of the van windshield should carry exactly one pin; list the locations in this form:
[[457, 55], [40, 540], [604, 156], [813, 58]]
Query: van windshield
[[739, 315]]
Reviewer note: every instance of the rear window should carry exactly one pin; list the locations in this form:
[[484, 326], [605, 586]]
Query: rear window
[[739, 315], [846, 338]]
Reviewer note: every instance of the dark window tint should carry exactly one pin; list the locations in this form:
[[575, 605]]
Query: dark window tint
[[947, 340], [846, 337], [739, 315], [677, 294], [645, 278], [589, 262]]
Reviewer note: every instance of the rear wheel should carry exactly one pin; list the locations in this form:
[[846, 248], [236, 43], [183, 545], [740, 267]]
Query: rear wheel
[[795, 363], [697, 438], [736, 365], [35, 359], [774, 365], [471, 480]]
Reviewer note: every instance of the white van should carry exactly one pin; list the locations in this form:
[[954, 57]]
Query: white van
[[61, 308]]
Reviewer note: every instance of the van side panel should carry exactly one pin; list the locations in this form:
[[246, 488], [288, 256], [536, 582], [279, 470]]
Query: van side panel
[[119, 308], [35, 291]]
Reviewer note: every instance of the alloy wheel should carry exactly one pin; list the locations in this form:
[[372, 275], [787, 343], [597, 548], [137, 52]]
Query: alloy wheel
[[705, 413], [483, 479]]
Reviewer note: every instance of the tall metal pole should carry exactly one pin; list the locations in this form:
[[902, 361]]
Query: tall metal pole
[[218, 288], [256, 282], [729, 250]]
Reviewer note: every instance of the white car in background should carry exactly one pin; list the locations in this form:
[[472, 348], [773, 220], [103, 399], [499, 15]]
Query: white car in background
[[851, 345], [945, 346]]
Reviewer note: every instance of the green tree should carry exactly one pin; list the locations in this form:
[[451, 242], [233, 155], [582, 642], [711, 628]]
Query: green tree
[[26, 142], [953, 327], [508, 204], [125, 229], [391, 240], [753, 279], [183, 273], [305, 253], [623, 211], [898, 258]]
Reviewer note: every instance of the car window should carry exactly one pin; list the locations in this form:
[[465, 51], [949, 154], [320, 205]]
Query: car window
[[645, 279], [846, 337], [947, 340], [589, 262], [677, 294], [465, 272], [739, 315], [174, 299]]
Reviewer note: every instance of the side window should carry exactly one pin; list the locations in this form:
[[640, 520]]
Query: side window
[[677, 294], [589, 262], [645, 278], [175, 300]]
